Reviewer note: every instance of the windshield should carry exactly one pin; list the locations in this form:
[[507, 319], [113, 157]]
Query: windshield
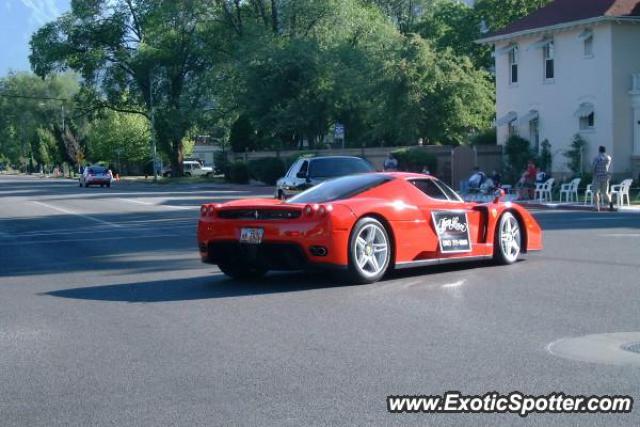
[[340, 188], [338, 166]]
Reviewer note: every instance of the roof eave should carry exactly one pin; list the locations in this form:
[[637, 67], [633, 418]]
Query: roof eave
[[501, 37]]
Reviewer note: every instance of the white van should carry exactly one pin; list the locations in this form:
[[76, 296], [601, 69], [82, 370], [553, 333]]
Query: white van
[[192, 168]]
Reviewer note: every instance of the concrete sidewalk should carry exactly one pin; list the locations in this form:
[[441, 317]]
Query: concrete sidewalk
[[573, 206]]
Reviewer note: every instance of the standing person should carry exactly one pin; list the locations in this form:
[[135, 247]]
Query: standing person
[[601, 177], [390, 164]]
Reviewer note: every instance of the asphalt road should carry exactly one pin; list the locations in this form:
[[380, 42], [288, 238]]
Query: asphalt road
[[107, 317]]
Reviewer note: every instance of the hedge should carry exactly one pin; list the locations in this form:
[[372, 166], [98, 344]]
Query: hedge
[[267, 170], [415, 159], [238, 172]]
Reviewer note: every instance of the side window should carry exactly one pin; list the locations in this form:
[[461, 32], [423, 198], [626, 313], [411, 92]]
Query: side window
[[304, 168], [197, 166], [429, 188], [548, 53]]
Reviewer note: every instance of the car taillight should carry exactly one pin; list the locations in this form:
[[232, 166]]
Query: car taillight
[[324, 210], [308, 210], [203, 210], [211, 211], [321, 210]]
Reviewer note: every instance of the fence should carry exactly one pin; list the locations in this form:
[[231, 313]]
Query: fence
[[454, 163]]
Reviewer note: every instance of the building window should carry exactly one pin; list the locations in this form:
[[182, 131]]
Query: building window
[[587, 122], [548, 55], [513, 65], [588, 47], [513, 128]]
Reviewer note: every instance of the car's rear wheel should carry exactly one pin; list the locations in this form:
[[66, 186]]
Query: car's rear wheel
[[281, 195], [369, 251], [187, 174], [80, 182], [109, 185], [243, 272], [508, 240]]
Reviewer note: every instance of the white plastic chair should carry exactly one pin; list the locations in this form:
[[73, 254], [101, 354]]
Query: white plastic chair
[[570, 190], [543, 191], [588, 194], [620, 191]]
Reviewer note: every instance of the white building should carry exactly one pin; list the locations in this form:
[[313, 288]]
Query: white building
[[573, 67]]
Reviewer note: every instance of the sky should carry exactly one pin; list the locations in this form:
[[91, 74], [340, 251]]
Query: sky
[[18, 20]]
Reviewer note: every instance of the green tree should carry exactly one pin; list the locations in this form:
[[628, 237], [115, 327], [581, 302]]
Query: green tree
[[438, 96], [497, 14], [136, 56], [455, 25], [30, 106], [118, 137]]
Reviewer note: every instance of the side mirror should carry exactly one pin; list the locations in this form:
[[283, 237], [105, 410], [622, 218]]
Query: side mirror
[[497, 195]]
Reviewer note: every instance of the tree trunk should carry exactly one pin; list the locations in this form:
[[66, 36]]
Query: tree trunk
[[177, 157]]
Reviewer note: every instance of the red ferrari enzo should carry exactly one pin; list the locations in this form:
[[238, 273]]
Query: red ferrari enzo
[[364, 225]]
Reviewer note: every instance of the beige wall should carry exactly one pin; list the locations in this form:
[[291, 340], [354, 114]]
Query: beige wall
[[487, 157], [577, 79], [626, 62]]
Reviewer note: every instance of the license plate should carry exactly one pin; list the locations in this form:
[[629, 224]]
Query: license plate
[[251, 235]]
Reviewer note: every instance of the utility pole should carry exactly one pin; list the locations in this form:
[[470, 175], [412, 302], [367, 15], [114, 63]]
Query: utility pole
[[153, 130]]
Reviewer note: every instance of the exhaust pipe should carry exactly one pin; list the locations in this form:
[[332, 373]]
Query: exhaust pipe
[[318, 251]]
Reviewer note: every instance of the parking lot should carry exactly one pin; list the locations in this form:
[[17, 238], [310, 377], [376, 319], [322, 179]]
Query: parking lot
[[107, 316]]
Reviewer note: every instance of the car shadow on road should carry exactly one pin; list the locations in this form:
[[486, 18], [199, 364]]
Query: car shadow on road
[[209, 287], [219, 286]]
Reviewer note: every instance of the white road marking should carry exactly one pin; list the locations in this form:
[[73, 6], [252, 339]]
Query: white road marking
[[454, 284], [95, 239], [102, 231], [70, 212], [138, 202], [621, 235]]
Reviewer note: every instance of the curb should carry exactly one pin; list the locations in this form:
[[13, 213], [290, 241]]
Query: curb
[[574, 207]]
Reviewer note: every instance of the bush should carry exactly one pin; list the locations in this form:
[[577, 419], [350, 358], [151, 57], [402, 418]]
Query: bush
[[575, 154], [267, 170], [221, 163], [238, 172], [415, 159], [518, 154], [485, 137], [545, 158]]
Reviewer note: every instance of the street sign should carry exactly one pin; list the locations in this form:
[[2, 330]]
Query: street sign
[[339, 131]]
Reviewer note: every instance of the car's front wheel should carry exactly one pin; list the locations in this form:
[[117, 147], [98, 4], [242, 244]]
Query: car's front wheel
[[508, 240], [242, 272], [369, 251]]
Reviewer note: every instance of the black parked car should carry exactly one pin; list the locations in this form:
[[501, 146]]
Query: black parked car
[[309, 171]]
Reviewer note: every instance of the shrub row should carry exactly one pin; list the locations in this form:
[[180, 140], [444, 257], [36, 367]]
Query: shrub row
[[415, 159], [267, 170]]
